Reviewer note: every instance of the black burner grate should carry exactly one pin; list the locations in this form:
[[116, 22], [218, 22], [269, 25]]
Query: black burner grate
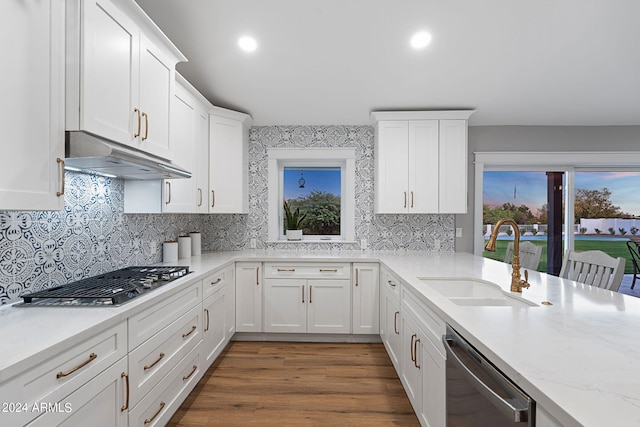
[[111, 288]]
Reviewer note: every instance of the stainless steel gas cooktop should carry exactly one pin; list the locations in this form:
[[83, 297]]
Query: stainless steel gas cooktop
[[109, 289]]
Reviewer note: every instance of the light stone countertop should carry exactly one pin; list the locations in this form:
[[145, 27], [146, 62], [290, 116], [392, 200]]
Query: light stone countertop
[[578, 358]]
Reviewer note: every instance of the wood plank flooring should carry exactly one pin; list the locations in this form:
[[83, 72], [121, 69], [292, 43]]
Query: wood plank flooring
[[298, 384]]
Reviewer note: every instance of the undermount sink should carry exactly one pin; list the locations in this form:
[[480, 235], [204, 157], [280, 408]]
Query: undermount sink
[[474, 292]]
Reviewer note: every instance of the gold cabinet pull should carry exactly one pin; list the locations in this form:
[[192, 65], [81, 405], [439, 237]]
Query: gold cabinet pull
[[357, 276], [303, 294], [310, 293], [289, 270], [329, 270], [137, 134], [412, 348], [200, 193], [213, 198], [393, 285], [415, 352], [91, 358], [150, 420], [195, 368], [62, 173], [257, 276], [126, 403], [146, 128], [147, 367], [186, 334], [405, 199], [395, 322], [412, 199], [206, 311], [168, 184], [215, 282]]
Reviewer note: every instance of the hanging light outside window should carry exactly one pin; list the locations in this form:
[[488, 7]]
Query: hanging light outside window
[[301, 181]]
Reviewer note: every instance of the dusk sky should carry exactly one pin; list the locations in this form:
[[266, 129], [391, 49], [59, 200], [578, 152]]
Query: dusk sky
[[531, 188]]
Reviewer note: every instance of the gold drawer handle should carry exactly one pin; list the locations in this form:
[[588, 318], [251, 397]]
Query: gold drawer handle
[[193, 328], [146, 129], [289, 270], [393, 285], [217, 281], [395, 322], [329, 270], [91, 358], [150, 420], [415, 352], [138, 112], [206, 311], [195, 367], [126, 404], [146, 367]]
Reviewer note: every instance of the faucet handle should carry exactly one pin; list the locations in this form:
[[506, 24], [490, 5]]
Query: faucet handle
[[525, 283]]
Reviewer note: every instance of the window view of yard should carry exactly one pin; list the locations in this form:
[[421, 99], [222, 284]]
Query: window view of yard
[[606, 211], [316, 193]]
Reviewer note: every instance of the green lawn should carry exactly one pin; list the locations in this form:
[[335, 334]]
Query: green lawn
[[613, 248]]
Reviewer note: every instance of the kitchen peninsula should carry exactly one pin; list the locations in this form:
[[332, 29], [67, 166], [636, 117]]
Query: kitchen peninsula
[[576, 358]]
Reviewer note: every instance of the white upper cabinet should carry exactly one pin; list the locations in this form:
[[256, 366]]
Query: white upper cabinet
[[228, 167], [32, 104], [421, 161], [120, 75]]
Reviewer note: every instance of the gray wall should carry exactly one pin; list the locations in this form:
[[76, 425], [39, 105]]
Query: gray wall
[[539, 138]]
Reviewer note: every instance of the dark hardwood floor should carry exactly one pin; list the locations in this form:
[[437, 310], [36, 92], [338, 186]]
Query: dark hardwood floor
[[298, 384]]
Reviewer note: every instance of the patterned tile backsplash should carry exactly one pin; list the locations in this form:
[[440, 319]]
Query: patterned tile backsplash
[[93, 235]]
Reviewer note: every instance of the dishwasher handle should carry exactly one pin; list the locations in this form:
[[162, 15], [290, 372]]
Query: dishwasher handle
[[516, 413]]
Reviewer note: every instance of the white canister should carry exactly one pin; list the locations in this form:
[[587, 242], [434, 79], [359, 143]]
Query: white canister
[[184, 247], [196, 243], [170, 251]]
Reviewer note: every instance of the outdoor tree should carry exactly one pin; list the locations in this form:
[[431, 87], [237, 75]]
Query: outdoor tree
[[323, 213], [595, 204], [520, 214]]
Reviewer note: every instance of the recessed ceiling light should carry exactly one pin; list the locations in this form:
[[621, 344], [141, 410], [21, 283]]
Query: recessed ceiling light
[[247, 43], [420, 40]]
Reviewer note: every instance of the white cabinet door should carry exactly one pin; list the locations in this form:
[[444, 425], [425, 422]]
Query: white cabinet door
[[391, 174], [285, 305], [329, 307], [214, 316], [230, 308], [453, 166], [423, 165], [411, 360], [248, 297], [228, 173], [433, 369], [32, 104], [180, 195], [102, 401], [390, 326], [156, 89], [366, 298], [202, 161], [109, 73]]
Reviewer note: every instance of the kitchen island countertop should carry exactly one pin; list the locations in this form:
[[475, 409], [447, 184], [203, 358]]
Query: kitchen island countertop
[[578, 358]]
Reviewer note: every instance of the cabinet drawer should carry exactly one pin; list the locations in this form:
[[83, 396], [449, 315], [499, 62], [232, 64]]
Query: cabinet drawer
[[217, 280], [308, 270], [65, 372], [154, 358], [161, 403], [149, 322], [389, 282], [434, 327]]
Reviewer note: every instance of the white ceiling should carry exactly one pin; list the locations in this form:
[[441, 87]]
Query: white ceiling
[[516, 62]]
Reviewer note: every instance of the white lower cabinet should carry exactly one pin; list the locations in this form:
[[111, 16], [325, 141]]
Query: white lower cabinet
[[390, 323], [366, 298], [249, 297], [307, 305], [100, 402]]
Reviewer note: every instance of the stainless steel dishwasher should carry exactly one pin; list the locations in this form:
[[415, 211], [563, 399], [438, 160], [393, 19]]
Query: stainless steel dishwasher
[[478, 394]]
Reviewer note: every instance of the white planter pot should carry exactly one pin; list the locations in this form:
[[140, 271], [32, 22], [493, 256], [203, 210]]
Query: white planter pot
[[294, 234]]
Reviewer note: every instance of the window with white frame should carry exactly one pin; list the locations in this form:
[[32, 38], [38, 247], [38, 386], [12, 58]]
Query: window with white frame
[[317, 183]]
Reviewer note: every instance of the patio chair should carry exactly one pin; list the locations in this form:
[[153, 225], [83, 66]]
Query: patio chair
[[634, 249], [594, 268], [529, 255]]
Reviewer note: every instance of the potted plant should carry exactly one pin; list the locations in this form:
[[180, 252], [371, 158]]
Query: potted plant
[[293, 222]]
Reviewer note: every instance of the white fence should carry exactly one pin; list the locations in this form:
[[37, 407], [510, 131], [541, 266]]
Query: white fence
[[603, 225]]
